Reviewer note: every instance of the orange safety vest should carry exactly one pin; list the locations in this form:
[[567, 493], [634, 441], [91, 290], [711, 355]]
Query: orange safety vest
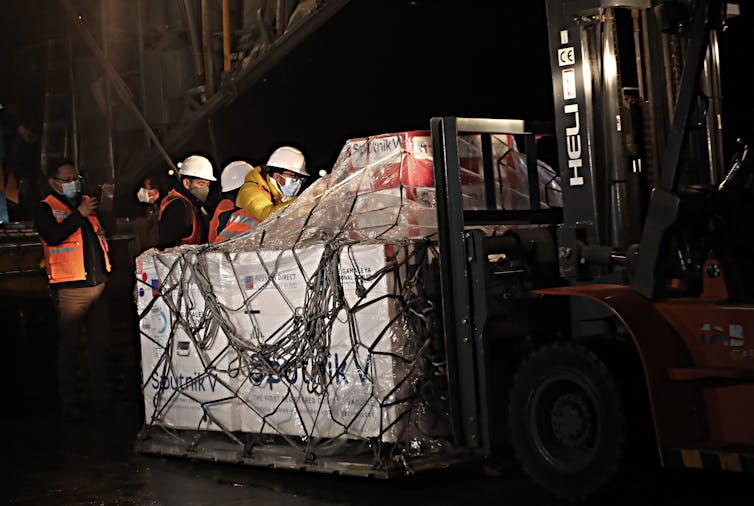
[[196, 222], [239, 222], [224, 206], [65, 262]]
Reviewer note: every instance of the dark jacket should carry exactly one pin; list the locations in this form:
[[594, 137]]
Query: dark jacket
[[176, 221], [55, 233]]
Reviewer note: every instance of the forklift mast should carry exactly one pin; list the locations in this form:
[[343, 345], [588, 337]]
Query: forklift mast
[[626, 83]]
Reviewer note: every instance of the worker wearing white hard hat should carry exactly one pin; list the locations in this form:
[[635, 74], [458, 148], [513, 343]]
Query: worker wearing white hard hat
[[267, 189], [180, 219], [231, 179]]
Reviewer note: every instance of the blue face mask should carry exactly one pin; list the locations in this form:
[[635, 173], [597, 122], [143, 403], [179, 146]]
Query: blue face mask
[[71, 189]]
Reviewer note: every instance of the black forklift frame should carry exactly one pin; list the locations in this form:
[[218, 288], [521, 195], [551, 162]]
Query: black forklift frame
[[463, 264]]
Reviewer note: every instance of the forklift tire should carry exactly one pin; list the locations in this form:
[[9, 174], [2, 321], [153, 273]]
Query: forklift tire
[[567, 421]]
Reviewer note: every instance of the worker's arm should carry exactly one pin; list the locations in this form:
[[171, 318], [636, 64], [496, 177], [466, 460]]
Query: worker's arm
[[48, 227], [173, 225], [257, 202]]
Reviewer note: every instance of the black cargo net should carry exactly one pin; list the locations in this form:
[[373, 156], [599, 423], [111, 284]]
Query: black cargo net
[[317, 334], [318, 348]]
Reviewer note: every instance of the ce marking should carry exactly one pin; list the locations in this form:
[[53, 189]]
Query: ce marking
[[566, 56]]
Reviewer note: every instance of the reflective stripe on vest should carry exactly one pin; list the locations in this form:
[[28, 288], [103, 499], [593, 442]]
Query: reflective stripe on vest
[[65, 262], [224, 206], [196, 224], [241, 221]]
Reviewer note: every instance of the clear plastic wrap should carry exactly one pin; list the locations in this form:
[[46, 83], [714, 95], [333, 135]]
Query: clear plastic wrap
[[382, 187]]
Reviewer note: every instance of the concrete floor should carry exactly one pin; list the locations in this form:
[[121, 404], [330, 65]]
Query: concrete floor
[[93, 462]]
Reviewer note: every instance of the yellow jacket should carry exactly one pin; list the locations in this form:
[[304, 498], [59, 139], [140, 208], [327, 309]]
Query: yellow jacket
[[258, 196]]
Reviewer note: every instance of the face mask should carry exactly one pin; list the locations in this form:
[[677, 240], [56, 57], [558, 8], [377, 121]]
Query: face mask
[[71, 189], [291, 187], [200, 193], [143, 195]]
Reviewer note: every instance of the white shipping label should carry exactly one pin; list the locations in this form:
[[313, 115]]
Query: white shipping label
[[422, 146], [376, 150], [569, 84]]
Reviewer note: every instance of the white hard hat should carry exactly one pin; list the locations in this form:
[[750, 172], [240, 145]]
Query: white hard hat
[[197, 166], [288, 158], [233, 175]]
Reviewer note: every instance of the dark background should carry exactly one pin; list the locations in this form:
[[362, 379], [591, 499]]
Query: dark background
[[375, 67], [390, 67]]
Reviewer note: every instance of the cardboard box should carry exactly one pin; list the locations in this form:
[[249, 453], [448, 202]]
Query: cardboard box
[[393, 177], [339, 391], [184, 358], [404, 159]]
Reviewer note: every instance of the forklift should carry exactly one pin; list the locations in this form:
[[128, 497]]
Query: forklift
[[616, 332]]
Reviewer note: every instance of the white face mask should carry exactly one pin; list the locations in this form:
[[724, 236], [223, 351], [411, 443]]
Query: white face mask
[[71, 189], [143, 195], [291, 187]]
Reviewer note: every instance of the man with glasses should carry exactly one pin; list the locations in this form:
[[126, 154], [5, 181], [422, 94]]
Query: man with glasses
[[77, 263], [267, 189]]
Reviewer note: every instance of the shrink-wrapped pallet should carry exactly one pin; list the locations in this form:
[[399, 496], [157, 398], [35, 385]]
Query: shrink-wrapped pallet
[[321, 323]]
